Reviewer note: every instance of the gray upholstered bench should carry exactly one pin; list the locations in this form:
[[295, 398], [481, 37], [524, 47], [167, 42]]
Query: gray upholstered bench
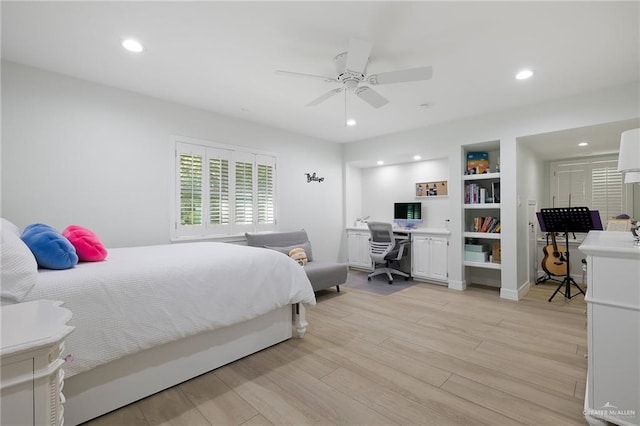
[[321, 274]]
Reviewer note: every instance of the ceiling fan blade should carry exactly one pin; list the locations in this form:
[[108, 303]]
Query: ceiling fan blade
[[358, 55], [324, 97], [371, 97], [301, 75], [413, 74]]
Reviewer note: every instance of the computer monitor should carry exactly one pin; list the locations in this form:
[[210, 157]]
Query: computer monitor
[[407, 214]]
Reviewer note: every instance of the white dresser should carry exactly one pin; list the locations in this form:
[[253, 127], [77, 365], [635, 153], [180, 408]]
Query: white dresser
[[32, 380], [613, 310]]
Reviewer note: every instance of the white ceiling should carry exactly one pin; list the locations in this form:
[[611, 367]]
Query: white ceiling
[[221, 56]]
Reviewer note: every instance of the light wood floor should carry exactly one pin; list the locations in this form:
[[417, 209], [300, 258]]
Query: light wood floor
[[424, 355]]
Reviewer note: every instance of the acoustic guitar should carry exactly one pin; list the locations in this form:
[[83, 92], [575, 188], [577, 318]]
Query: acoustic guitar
[[555, 261]]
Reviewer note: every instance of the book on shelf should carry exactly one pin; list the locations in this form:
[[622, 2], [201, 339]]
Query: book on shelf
[[495, 192], [487, 225]]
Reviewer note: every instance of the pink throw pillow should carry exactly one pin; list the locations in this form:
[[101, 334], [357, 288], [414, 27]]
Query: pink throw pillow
[[88, 246]]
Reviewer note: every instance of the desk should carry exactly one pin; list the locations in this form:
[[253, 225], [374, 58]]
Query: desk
[[427, 260]]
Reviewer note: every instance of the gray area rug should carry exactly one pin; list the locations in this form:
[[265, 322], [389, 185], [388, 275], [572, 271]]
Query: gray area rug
[[378, 284]]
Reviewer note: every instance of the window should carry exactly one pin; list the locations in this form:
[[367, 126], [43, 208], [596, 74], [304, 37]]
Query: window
[[222, 190], [594, 183]]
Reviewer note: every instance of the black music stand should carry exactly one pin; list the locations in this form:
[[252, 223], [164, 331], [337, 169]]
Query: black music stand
[[565, 220]]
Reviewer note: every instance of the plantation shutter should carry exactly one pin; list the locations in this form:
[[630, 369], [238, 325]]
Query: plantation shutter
[[190, 184], [265, 192], [219, 207], [571, 185], [607, 189], [222, 191], [594, 183], [243, 187]]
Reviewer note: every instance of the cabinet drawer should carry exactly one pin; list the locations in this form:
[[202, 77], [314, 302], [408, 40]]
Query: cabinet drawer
[[17, 372], [17, 393]]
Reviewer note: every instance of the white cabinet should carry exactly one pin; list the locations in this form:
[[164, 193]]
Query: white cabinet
[[358, 249], [613, 328], [429, 258], [32, 380]]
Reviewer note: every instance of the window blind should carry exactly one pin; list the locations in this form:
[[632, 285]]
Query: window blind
[[266, 191], [190, 189], [244, 193], [594, 183], [218, 191], [607, 185], [571, 184]]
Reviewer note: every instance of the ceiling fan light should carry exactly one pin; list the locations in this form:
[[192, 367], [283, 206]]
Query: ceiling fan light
[[351, 122]]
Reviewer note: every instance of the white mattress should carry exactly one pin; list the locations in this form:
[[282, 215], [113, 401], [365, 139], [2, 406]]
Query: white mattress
[[141, 297]]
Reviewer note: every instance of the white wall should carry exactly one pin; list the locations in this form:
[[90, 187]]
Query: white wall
[[83, 153], [382, 186], [530, 187], [446, 139]]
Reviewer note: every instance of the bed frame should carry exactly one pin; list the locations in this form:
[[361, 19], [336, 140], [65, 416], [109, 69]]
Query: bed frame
[[110, 386]]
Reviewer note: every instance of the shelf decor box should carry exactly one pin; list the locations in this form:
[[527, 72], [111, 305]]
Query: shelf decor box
[[478, 248], [496, 255], [474, 256]]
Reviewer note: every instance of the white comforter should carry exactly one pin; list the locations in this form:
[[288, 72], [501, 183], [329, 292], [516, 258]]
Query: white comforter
[[141, 297]]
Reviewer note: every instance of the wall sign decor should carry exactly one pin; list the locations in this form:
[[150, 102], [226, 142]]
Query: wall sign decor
[[313, 178], [432, 189]]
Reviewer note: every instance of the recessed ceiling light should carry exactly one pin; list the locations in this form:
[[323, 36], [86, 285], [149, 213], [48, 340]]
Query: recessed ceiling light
[[524, 74], [380, 162], [416, 157], [583, 144], [132, 45], [351, 122]]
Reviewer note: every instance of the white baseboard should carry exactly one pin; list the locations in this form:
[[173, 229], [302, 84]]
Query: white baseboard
[[457, 285], [516, 295]]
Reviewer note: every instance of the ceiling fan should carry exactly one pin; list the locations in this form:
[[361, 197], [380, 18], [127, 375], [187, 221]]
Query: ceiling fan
[[351, 70]]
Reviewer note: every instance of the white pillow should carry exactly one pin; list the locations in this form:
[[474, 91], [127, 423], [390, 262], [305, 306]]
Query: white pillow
[[9, 227], [19, 267]]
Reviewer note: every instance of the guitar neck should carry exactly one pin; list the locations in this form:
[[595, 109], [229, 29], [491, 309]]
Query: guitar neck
[[553, 242]]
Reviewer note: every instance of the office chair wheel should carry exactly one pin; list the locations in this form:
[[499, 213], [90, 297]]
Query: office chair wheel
[[390, 282], [406, 278], [368, 278]]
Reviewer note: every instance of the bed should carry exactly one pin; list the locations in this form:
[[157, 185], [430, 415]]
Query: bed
[[148, 318]]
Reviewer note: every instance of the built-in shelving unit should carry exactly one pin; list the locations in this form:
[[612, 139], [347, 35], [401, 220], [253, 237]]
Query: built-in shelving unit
[[481, 211]]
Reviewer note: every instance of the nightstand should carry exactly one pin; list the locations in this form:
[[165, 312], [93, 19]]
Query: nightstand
[[31, 344]]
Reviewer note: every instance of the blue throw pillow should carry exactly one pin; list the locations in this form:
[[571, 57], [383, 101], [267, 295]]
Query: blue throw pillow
[[50, 248]]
